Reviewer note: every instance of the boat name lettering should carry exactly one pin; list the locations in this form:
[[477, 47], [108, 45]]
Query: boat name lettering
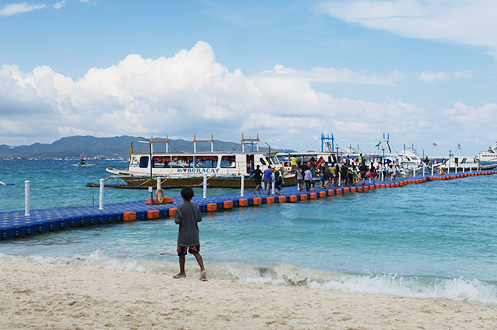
[[197, 170]]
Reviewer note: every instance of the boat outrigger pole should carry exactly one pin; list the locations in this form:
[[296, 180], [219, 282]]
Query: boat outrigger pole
[[150, 164]]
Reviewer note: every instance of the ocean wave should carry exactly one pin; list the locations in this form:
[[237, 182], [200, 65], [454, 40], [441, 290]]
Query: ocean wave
[[421, 287]]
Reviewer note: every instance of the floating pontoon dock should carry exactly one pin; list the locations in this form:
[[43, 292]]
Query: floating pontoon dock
[[16, 224]]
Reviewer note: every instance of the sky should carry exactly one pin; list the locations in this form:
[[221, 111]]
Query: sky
[[421, 71]]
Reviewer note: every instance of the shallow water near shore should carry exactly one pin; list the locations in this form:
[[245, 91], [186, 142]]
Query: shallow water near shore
[[436, 240]]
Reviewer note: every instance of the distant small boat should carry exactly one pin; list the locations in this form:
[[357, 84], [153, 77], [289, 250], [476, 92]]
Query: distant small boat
[[82, 162], [6, 184]]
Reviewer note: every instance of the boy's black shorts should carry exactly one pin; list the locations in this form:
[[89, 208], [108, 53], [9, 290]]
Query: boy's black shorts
[[182, 250]]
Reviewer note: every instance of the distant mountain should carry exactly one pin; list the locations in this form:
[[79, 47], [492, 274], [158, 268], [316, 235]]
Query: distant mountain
[[91, 147]]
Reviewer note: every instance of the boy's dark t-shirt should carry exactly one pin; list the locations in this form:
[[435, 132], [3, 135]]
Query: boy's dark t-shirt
[[188, 215], [257, 175]]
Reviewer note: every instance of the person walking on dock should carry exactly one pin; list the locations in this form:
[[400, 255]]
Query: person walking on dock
[[267, 178], [278, 180], [300, 177], [355, 175], [344, 171], [336, 174], [392, 171], [187, 216], [293, 160], [313, 174], [362, 170], [326, 175], [372, 174], [308, 179], [258, 179]]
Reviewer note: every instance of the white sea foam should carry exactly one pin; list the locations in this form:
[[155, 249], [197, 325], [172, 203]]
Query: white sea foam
[[96, 259], [454, 289], [421, 287]]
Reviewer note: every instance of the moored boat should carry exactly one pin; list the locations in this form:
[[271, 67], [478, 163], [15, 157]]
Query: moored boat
[[221, 169], [489, 157]]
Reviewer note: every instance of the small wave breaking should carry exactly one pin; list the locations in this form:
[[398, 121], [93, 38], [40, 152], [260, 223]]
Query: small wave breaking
[[420, 287]]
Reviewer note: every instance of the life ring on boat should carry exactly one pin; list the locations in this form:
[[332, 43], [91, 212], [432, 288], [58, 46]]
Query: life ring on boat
[[440, 171], [161, 199]]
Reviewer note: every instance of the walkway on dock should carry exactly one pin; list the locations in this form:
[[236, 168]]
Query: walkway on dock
[[16, 224]]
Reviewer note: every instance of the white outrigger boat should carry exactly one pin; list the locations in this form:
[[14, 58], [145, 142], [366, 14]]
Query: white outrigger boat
[[489, 157], [484, 161], [222, 169], [461, 163]]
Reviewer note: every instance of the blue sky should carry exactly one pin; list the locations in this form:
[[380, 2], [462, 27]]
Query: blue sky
[[423, 71]]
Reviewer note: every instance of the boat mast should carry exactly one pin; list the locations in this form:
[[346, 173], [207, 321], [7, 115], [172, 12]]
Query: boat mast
[[195, 143], [323, 138], [166, 142], [256, 140]]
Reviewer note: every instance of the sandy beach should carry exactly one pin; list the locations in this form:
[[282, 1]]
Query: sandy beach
[[54, 296]]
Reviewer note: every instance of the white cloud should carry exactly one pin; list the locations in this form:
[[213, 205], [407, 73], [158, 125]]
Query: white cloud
[[192, 93], [431, 77], [62, 3], [332, 75], [470, 22], [59, 4], [17, 8], [463, 74], [479, 121]]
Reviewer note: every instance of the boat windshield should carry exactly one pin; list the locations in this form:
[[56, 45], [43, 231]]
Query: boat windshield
[[144, 162], [161, 161], [273, 160], [182, 161], [206, 161], [228, 162]]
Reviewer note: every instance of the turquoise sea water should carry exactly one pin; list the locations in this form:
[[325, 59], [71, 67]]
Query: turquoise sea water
[[436, 240]]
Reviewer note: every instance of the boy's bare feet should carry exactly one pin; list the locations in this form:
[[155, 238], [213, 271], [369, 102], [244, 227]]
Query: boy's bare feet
[[179, 275], [203, 275]]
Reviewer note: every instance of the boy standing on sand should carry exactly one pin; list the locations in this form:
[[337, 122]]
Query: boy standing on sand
[[187, 216]]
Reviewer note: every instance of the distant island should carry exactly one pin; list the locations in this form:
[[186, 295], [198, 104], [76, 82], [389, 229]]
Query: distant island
[[108, 147]]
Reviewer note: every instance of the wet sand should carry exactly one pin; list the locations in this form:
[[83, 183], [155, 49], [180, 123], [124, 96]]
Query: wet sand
[[53, 296]]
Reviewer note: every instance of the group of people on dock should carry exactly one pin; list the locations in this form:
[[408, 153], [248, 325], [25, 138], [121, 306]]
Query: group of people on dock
[[349, 173], [267, 175]]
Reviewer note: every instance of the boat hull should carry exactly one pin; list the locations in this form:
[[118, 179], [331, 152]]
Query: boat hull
[[472, 167]]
